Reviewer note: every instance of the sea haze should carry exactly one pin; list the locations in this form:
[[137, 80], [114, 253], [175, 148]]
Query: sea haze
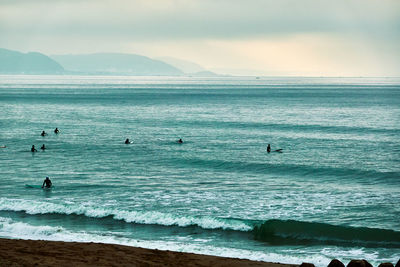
[[333, 192]]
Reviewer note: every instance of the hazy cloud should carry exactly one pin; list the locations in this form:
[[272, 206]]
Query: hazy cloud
[[198, 19], [62, 26]]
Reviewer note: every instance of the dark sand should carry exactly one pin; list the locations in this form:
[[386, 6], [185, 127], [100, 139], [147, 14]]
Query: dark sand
[[52, 253]]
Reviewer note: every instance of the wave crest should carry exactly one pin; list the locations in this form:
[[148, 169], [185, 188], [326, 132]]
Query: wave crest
[[275, 232], [296, 232], [140, 217]]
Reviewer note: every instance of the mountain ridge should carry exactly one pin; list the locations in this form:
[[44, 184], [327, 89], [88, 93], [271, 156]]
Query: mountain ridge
[[115, 63], [15, 62], [12, 61]]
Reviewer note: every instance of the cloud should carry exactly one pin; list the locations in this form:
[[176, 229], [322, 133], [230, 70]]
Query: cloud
[[173, 19], [313, 36]]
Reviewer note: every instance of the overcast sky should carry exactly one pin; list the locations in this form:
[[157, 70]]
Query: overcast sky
[[272, 37]]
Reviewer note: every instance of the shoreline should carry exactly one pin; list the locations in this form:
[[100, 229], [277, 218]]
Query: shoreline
[[22, 252]]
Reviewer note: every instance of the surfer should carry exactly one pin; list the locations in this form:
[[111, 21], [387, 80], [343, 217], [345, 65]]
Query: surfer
[[33, 149], [180, 141], [127, 141], [276, 150], [43, 147], [43, 133], [46, 183], [56, 131]]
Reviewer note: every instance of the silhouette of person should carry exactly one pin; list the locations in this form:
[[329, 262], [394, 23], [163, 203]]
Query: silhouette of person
[[46, 183], [180, 141], [43, 133], [127, 141], [269, 148], [33, 149], [56, 131], [43, 147]]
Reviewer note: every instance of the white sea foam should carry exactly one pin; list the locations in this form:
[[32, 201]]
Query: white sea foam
[[141, 217], [11, 229], [21, 230]]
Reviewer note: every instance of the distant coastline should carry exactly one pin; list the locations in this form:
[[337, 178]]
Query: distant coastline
[[14, 62]]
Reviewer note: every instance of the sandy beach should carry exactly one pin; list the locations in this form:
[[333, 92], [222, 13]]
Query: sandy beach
[[54, 253]]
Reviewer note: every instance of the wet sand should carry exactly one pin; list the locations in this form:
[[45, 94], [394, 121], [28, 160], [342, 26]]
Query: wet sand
[[55, 253]]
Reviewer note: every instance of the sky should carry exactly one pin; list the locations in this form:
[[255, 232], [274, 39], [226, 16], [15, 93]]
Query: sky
[[240, 37]]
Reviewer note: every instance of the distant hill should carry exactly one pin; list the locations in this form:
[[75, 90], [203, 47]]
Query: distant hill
[[184, 65], [28, 63], [115, 63]]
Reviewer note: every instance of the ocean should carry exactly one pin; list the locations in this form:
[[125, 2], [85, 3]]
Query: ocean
[[332, 192]]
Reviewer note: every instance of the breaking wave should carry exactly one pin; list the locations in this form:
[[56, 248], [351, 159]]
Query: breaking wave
[[274, 232]]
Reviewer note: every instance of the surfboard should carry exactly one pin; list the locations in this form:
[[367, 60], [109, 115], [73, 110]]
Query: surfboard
[[37, 186]]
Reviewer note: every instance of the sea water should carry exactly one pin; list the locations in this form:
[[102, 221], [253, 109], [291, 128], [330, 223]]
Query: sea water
[[333, 192]]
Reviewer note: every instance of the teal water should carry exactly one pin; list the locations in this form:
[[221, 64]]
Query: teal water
[[334, 192]]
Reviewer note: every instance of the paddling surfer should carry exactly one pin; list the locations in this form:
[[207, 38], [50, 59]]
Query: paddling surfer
[[33, 149], [277, 150]]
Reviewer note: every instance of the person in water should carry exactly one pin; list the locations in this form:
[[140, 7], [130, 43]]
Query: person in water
[[33, 149], [269, 148], [43, 147], [43, 133], [127, 141], [180, 141], [46, 183], [56, 131]]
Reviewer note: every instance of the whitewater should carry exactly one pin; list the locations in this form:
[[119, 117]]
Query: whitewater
[[333, 192]]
